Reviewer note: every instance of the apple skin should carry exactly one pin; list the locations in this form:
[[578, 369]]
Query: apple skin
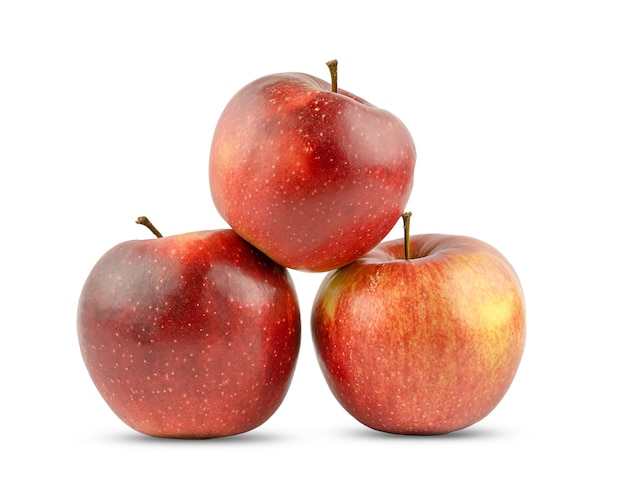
[[190, 336], [311, 177], [424, 346]]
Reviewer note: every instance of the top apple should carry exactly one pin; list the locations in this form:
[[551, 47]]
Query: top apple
[[312, 177]]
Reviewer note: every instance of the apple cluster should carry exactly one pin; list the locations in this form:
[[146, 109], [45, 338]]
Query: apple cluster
[[197, 335]]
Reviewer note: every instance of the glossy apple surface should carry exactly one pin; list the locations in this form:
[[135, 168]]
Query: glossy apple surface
[[313, 178], [428, 345], [190, 336]]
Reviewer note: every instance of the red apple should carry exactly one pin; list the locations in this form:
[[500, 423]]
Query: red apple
[[427, 345], [313, 177], [190, 336]]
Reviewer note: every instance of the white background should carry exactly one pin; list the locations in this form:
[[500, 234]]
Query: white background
[[518, 111]]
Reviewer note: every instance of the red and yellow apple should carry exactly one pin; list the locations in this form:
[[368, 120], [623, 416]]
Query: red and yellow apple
[[190, 336], [424, 345], [312, 177]]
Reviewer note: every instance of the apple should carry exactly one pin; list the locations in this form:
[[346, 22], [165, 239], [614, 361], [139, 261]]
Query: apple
[[190, 336], [312, 176], [422, 339]]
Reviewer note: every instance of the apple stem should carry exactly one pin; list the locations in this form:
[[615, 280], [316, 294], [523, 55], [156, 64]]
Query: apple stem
[[142, 220], [332, 66], [406, 219]]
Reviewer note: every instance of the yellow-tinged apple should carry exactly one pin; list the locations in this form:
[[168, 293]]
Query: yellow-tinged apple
[[427, 344]]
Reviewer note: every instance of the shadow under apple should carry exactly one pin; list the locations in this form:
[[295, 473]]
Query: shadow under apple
[[250, 437], [469, 433]]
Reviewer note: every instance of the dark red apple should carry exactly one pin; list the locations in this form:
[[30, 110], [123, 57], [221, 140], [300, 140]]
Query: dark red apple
[[190, 336], [425, 345], [312, 177]]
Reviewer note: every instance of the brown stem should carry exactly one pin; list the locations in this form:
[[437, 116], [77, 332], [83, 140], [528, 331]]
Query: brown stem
[[406, 218], [332, 66], [142, 220]]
